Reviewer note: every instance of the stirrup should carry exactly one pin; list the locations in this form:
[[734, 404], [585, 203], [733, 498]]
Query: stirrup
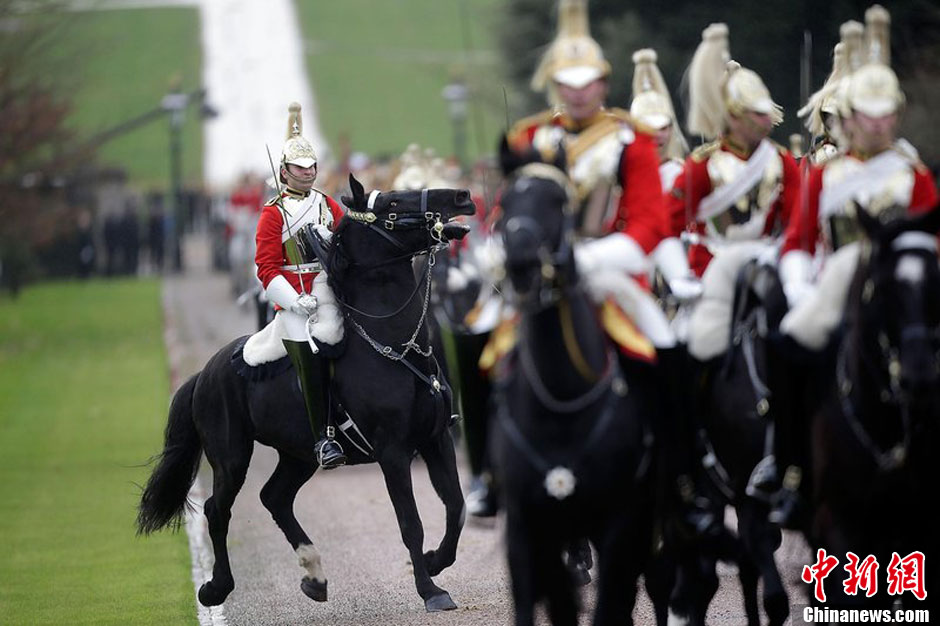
[[329, 454], [764, 480]]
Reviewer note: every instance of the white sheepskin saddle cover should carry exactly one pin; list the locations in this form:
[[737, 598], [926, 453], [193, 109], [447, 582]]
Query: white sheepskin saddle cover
[[266, 345]]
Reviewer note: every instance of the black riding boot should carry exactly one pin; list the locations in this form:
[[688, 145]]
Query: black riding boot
[[676, 427], [791, 378], [313, 371], [475, 392]]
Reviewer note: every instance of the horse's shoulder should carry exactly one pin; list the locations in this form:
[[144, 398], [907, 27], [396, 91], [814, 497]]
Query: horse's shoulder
[[704, 151]]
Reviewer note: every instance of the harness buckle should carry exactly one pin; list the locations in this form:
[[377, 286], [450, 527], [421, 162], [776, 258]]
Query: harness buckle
[[330, 432], [389, 225]]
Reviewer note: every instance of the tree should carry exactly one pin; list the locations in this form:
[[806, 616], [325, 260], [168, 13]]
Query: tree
[[36, 149]]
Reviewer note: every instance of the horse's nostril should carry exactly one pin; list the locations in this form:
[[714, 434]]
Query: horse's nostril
[[462, 197]]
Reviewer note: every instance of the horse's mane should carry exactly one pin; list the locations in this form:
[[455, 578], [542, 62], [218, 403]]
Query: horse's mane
[[337, 263]]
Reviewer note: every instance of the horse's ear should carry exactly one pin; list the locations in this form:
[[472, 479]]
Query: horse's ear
[[358, 192]]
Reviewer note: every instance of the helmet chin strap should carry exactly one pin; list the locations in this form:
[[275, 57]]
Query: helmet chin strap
[[298, 184]]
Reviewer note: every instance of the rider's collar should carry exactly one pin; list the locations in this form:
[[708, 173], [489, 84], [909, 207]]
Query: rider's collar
[[735, 148], [293, 193], [863, 155], [572, 125]]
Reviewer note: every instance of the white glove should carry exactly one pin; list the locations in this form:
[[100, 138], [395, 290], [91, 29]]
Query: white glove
[[613, 252], [796, 270], [671, 259], [305, 305], [489, 257], [686, 289], [281, 293]]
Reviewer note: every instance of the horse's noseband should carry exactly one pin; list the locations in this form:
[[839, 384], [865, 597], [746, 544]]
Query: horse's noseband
[[406, 221]]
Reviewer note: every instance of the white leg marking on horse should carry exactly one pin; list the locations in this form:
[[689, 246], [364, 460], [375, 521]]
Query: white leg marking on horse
[[200, 550], [309, 558], [676, 620]]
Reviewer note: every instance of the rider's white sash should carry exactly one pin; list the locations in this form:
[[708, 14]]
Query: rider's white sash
[[298, 212], [884, 181], [749, 175]]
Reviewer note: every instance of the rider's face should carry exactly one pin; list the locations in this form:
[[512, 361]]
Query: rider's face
[[662, 136], [584, 102], [749, 128], [300, 178], [871, 134]]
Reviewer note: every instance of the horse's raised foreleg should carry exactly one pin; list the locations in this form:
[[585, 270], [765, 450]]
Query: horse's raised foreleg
[[396, 467], [278, 496], [442, 469], [228, 476]]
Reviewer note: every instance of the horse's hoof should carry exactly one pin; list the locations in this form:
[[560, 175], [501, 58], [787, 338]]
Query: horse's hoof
[[211, 594], [440, 602], [313, 589]]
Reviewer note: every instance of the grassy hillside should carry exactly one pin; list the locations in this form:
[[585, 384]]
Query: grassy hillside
[[378, 68], [119, 64], [83, 400]]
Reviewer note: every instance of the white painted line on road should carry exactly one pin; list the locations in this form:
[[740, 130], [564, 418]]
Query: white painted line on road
[[197, 528]]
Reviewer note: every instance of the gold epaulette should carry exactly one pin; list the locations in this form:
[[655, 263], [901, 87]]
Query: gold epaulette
[[705, 150], [520, 127], [273, 200], [622, 115]]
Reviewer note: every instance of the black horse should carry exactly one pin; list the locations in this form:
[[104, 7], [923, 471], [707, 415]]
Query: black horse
[[876, 434], [734, 405], [569, 445], [384, 379]]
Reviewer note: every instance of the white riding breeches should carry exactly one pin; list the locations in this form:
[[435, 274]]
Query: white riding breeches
[[812, 321], [710, 323]]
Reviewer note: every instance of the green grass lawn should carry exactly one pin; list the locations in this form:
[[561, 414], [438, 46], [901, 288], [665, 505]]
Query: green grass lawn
[[119, 65], [83, 401], [378, 68]]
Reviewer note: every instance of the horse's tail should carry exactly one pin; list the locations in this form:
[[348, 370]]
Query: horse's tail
[[165, 497]]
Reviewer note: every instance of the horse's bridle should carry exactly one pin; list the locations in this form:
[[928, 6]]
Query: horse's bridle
[[551, 284], [426, 219], [886, 361]]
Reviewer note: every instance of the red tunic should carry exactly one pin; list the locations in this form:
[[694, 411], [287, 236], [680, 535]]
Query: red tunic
[[640, 211], [694, 183], [804, 230], [271, 255]]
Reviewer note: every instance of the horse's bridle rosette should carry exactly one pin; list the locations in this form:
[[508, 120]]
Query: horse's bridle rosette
[[560, 483]]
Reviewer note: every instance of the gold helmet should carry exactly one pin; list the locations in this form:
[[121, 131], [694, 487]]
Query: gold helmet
[[719, 87], [652, 105], [873, 88], [573, 58], [297, 150]]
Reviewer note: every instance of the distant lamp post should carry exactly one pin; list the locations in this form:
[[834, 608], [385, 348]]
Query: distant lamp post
[[175, 103], [456, 95]]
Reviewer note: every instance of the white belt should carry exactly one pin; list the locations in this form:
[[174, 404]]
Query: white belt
[[304, 268]]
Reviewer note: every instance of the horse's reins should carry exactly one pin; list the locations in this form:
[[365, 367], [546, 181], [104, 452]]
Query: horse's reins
[[434, 225], [550, 291], [887, 460]]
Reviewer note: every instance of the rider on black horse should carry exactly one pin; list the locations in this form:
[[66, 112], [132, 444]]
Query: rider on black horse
[[878, 173], [294, 284]]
